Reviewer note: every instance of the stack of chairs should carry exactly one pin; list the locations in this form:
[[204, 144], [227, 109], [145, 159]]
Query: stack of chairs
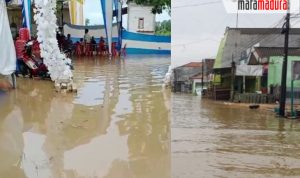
[[89, 49]]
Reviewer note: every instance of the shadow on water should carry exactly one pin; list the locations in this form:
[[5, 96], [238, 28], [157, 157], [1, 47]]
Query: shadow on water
[[117, 125]]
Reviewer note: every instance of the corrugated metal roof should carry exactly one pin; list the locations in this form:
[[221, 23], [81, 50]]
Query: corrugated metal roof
[[262, 30], [275, 51], [267, 52], [197, 76], [238, 40]]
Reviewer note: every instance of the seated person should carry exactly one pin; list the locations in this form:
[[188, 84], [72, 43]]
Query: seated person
[[77, 48], [94, 44], [20, 47], [68, 44], [114, 49], [102, 47]]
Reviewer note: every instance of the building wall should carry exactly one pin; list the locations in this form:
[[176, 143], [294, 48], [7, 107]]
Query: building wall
[[16, 2], [135, 12], [275, 71], [197, 83], [66, 17], [137, 43], [15, 16]]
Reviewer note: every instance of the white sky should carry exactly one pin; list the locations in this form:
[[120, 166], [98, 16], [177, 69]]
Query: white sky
[[92, 11], [199, 25]]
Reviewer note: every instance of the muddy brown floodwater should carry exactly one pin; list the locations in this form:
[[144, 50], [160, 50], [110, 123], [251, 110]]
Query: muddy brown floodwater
[[116, 126], [211, 139]]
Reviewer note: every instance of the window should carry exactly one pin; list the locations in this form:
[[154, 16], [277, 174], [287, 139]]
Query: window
[[141, 23]]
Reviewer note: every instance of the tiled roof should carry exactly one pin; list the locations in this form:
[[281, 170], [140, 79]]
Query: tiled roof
[[193, 64]]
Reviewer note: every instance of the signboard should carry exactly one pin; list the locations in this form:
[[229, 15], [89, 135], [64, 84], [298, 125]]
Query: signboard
[[249, 70]]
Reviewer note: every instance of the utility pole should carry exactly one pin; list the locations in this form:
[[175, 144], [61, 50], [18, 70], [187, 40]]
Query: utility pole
[[62, 14], [233, 69], [202, 84], [286, 31]]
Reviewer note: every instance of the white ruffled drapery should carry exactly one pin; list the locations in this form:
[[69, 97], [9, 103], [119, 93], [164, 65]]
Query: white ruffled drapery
[[58, 64]]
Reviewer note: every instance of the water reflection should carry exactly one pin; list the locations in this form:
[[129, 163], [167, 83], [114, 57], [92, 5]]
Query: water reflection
[[214, 139], [116, 126]]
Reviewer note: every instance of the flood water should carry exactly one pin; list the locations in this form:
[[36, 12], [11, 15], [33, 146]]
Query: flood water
[[215, 139], [116, 126]]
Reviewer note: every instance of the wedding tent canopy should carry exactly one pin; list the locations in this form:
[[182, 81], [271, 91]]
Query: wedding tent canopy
[[76, 15], [108, 7], [44, 15]]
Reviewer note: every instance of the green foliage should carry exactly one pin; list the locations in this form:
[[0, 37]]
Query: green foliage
[[163, 28], [158, 5], [87, 22]]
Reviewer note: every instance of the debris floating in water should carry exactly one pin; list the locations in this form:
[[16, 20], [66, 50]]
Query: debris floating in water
[[65, 86]]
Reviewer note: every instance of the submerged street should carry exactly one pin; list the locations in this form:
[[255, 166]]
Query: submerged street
[[117, 125], [216, 139]]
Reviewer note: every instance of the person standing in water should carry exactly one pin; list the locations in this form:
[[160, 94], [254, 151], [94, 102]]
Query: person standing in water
[[87, 37]]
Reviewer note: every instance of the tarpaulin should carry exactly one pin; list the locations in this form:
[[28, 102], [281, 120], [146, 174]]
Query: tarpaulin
[[249, 70], [7, 48], [26, 13], [107, 9], [118, 8]]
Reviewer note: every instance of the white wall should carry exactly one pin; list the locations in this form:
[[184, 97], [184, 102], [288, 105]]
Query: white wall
[[16, 2], [97, 32], [135, 12]]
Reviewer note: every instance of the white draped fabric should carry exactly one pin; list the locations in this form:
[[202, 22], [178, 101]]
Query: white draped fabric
[[7, 48]]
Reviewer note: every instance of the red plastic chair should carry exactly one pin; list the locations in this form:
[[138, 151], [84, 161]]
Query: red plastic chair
[[78, 49], [88, 49], [24, 34], [113, 49], [20, 47], [101, 49]]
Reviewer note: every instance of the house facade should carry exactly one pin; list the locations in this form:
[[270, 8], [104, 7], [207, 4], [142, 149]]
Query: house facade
[[141, 19], [183, 81], [202, 81], [248, 46]]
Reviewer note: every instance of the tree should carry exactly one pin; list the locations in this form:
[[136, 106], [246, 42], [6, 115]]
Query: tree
[[87, 22], [163, 28], [158, 5]]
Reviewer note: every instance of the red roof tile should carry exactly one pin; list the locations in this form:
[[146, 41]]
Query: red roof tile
[[193, 64]]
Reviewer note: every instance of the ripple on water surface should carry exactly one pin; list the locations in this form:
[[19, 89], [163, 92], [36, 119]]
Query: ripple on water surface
[[115, 126]]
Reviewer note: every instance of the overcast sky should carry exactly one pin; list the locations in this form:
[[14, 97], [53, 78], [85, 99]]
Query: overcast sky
[[92, 11], [199, 25]]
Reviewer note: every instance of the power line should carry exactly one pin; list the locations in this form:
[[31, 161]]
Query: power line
[[224, 20], [262, 37], [255, 41], [197, 42], [195, 5]]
